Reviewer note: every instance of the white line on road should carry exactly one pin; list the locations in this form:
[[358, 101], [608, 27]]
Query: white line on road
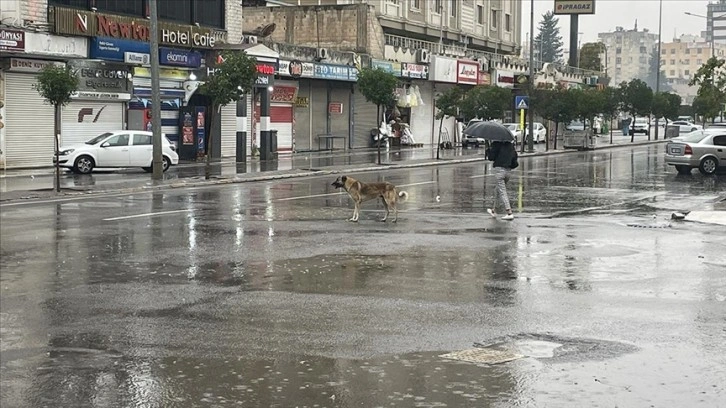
[[343, 192], [153, 214]]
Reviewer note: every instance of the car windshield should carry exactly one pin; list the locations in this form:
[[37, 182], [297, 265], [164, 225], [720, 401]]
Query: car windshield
[[98, 138], [511, 126], [694, 137]]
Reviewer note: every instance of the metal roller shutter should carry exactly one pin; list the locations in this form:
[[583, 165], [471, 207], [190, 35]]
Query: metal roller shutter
[[29, 124], [281, 120], [364, 119], [229, 130], [83, 120]]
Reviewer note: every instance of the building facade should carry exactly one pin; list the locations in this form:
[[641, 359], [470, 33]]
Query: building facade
[[682, 58], [628, 53], [716, 22]]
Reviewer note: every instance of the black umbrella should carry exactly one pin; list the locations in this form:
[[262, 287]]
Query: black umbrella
[[489, 130]]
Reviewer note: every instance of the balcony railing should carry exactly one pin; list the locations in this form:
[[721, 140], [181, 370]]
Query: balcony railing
[[460, 51]]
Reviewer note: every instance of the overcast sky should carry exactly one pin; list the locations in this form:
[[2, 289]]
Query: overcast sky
[[612, 13]]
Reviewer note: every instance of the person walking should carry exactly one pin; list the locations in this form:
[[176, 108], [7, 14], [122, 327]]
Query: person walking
[[504, 155]]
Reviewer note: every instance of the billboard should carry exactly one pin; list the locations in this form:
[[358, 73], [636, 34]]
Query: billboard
[[569, 7]]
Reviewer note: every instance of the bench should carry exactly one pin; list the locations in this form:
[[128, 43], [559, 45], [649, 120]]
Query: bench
[[329, 140]]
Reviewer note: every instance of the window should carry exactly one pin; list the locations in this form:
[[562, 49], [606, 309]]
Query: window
[[480, 14], [438, 6], [719, 140], [643, 50], [687, 62], [134, 8], [673, 72], [630, 60], [699, 51], [618, 50], [142, 139], [687, 72], [175, 10], [688, 50], [453, 9], [618, 60], [416, 5], [664, 51], [662, 62], [673, 62], [84, 4], [508, 22], [494, 20], [118, 140], [209, 13], [673, 50], [699, 61]]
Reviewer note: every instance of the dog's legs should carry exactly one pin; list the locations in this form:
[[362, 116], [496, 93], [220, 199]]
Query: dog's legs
[[355, 213], [395, 213], [385, 204]]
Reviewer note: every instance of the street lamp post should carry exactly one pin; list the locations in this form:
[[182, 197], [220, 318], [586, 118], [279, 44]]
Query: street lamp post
[[713, 48], [530, 141], [657, 74]]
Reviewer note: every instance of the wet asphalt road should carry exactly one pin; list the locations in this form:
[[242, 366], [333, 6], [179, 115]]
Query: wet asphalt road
[[263, 295]]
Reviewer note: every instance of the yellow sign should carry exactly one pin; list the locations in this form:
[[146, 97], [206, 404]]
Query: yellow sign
[[302, 102], [570, 7], [164, 73]]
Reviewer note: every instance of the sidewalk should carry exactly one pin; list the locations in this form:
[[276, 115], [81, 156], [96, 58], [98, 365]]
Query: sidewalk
[[38, 183]]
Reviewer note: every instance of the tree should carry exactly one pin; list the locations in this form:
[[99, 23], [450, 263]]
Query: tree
[[56, 84], [711, 81], [636, 98], [549, 38], [590, 57], [665, 105], [234, 76], [652, 77], [611, 107], [379, 88], [448, 105], [485, 102], [554, 104], [590, 103]]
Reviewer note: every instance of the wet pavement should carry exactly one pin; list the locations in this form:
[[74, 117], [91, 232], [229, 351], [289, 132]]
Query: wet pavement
[[261, 294]]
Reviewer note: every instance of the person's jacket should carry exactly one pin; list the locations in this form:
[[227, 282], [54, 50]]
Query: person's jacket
[[502, 154]]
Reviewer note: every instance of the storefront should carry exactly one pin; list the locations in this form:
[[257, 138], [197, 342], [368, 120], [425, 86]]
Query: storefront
[[418, 101], [302, 72], [366, 117], [100, 104], [443, 74]]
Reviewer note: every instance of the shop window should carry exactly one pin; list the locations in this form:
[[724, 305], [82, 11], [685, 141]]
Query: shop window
[[131, 7], [209, 13], [83, 4]]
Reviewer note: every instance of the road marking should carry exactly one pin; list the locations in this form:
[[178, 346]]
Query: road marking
[[153, 214], [343, 192]]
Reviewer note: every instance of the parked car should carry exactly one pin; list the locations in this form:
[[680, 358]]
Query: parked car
[[516, 131], [575, 125], [704, 150], [686, 127], [540, 133], [121, 148], [686, 118], [640, 125], [717, 125]]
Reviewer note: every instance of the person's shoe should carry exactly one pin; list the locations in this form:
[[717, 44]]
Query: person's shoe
[[491, 212], [508, 217]]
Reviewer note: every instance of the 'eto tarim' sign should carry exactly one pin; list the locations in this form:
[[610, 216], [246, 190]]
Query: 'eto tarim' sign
[[90, 24], [574, 6]]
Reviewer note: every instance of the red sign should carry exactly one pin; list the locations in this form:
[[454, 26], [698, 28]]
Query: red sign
[[335, 108], [12, 40], [266, 69], [283, 94], [467, 72], [485, 78]]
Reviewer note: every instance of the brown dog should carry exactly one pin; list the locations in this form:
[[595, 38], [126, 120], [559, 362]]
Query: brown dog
[[361, 192]]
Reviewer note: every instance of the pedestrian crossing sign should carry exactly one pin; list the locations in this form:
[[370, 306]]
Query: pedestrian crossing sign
[[520, 102]]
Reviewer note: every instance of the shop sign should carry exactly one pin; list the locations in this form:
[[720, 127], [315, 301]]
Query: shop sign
[[92, 24], [164, 73], [302, 102], [414, 71], [574, 7], [113, 49], [505, 79], [335, 108], [98, 77], [443, 69], [283, 94], [485, 78], [387, 66], [105, 96], [29, 65], [467, 72], [334, 72], [296, 69], [12, 40], [265, 73], [49, 44], [137, 58], [182, 58]]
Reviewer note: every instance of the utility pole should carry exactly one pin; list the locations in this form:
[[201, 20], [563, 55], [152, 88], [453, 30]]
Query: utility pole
[[157, 161], [530, 141], [657, 74]]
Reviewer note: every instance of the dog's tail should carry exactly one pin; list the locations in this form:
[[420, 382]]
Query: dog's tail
[[403, 195]]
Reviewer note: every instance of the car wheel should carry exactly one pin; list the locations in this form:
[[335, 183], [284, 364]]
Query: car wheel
[[464, 144], [708, 166], [84, 165], [683, 169], [166, 164]]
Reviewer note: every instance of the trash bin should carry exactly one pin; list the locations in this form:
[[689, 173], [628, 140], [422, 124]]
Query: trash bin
[[273, 144], [626, 127], [672, 131]]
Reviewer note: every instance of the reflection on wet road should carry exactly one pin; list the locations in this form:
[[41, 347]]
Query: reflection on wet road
[[263, 295]]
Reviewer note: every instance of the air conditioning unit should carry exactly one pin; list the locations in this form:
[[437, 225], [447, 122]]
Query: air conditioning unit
[[250, 39], [423, 56], [483, 64], [322, 53]]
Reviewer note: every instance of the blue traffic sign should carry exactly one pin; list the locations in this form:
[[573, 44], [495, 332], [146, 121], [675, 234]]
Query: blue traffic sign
[[521, 102]]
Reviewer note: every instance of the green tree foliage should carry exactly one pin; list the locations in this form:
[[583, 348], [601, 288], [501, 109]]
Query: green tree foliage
[[448, 102], [711, 81], [555, 104], [590, 103], [377, 86], [486, 102], [233, 77], [56, 84], [590, 57], [665, 105], [636, 98], [548, 38]]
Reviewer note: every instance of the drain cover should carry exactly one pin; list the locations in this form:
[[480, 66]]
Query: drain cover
[[482, 356]]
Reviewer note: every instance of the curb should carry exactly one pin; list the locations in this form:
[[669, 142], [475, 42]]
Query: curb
[[301, 174]]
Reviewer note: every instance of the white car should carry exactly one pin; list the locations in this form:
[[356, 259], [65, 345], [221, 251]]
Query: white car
[[540, 132], [685, 127], [516, 131], [121, 148], [640, 125]]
